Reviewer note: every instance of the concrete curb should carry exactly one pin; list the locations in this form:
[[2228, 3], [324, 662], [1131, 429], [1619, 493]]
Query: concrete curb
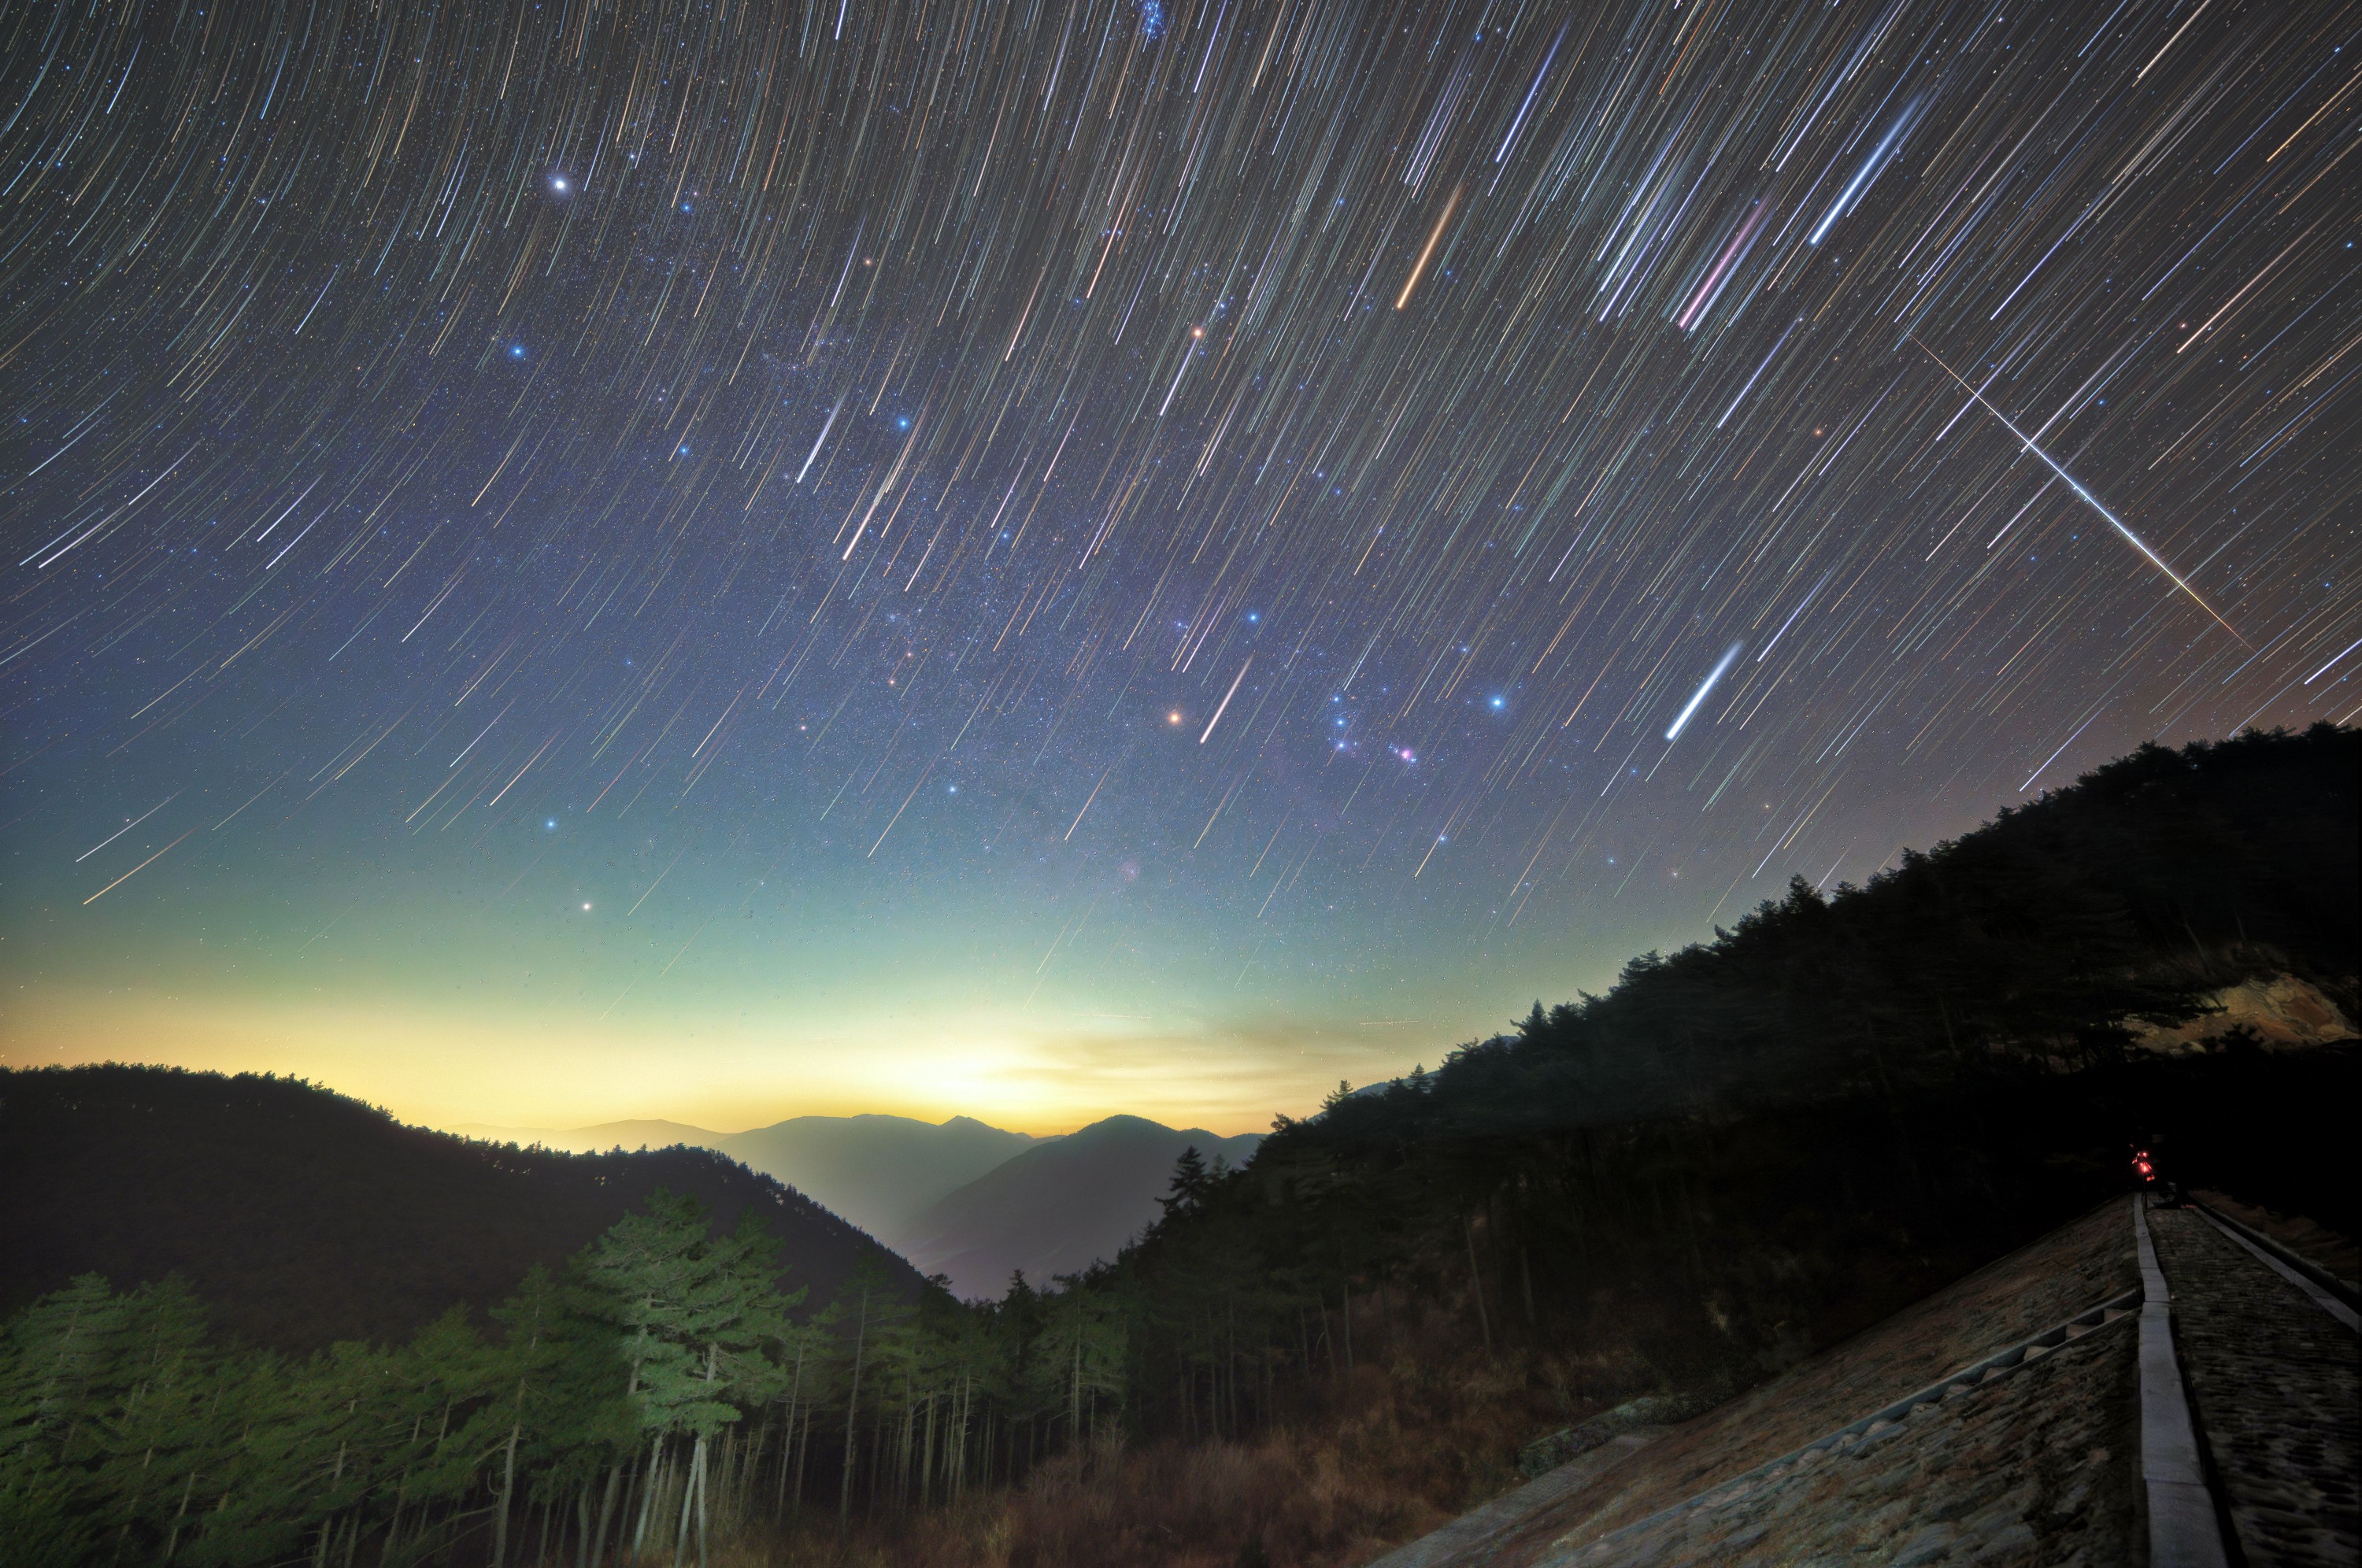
[[2269, 1257], [2184, 1531]]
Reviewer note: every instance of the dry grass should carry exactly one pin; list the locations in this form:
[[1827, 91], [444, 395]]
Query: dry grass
[[1392, 1453], [1387, 1451]]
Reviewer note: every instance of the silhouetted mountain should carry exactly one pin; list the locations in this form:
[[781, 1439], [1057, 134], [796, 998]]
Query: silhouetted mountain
[[1060, 1206], [881, 1172], [300, 1217], [1744, 1152], [1755, 1146], [606, 1135]]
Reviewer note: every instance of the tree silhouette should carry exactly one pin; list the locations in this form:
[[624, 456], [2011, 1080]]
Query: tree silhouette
[[1730, 1157]]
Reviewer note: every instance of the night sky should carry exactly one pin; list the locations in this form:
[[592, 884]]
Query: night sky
[[719, 560]]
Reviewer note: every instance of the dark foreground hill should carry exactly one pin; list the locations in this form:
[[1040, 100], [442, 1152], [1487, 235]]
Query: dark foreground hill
[[1745, 1151], [300, 1217], [2055, 936], [1754, 1145]]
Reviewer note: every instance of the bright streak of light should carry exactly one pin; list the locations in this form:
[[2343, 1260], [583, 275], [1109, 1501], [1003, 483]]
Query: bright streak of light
[[826, 425], [1865, 174], [167, 801], [1722, 668], [1528, 103], [1711, 290], [1427, 252], [1793, 614], [2324, 668], [2090, 499], [1758, 375], [135, 871], [1234, 691], [2053, 755]]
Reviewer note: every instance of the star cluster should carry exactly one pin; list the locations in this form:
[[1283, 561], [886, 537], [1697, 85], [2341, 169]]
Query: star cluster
[[1107, 554]]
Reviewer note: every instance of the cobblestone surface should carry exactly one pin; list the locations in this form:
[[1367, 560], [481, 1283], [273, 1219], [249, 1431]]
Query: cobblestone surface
[[2039, 1467], [1472, 1537], [2315, 1243], [2274, 1381]]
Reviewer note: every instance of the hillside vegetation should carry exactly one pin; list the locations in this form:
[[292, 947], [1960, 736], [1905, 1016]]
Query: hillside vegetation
[[299, 1217], [1740, 1154]]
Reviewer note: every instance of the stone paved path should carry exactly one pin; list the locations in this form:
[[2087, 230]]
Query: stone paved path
[[2274, 1383], [2317, 1244], [1937, 1488], [2039, 1468]]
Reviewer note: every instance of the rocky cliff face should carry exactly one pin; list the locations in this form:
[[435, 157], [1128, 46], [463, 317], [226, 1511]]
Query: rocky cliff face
[[2285, 1013]]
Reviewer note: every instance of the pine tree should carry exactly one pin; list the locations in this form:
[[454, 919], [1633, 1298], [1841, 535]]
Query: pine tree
[[1189, 1185], [696, 1317]]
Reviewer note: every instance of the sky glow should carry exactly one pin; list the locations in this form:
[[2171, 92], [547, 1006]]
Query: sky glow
[[573, 563]]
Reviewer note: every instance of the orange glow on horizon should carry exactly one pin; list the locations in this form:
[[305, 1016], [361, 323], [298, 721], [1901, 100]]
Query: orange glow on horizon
[[536, 1069]]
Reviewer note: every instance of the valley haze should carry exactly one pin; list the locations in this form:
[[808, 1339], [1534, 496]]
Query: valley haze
[[1221, 755], [971, 1202]]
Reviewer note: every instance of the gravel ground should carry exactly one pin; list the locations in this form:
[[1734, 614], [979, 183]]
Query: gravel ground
[[2273, 1380], [2310, 1239], [2038, 1467]]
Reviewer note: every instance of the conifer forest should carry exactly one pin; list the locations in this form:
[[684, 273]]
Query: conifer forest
[[1740, 1153], [1179, 783]]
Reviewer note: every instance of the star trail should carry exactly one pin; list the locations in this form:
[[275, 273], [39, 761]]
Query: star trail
[[578, 559]]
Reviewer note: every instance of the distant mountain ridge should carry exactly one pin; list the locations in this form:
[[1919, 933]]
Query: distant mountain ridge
[[606, 1135], [957, 1198], [880, 1172], [1060, 1206]]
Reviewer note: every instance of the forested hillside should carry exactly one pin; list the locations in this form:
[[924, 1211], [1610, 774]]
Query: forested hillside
[[1740, 1154], [118, 1412], [1753, 1147], [299, 1217], [1771, 1132], [2038, 942]]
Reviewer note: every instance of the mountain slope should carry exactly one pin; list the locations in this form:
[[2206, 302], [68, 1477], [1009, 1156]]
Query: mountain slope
[[881, 1172], [641, 1134], [300, 1217], [1060, 1206]]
